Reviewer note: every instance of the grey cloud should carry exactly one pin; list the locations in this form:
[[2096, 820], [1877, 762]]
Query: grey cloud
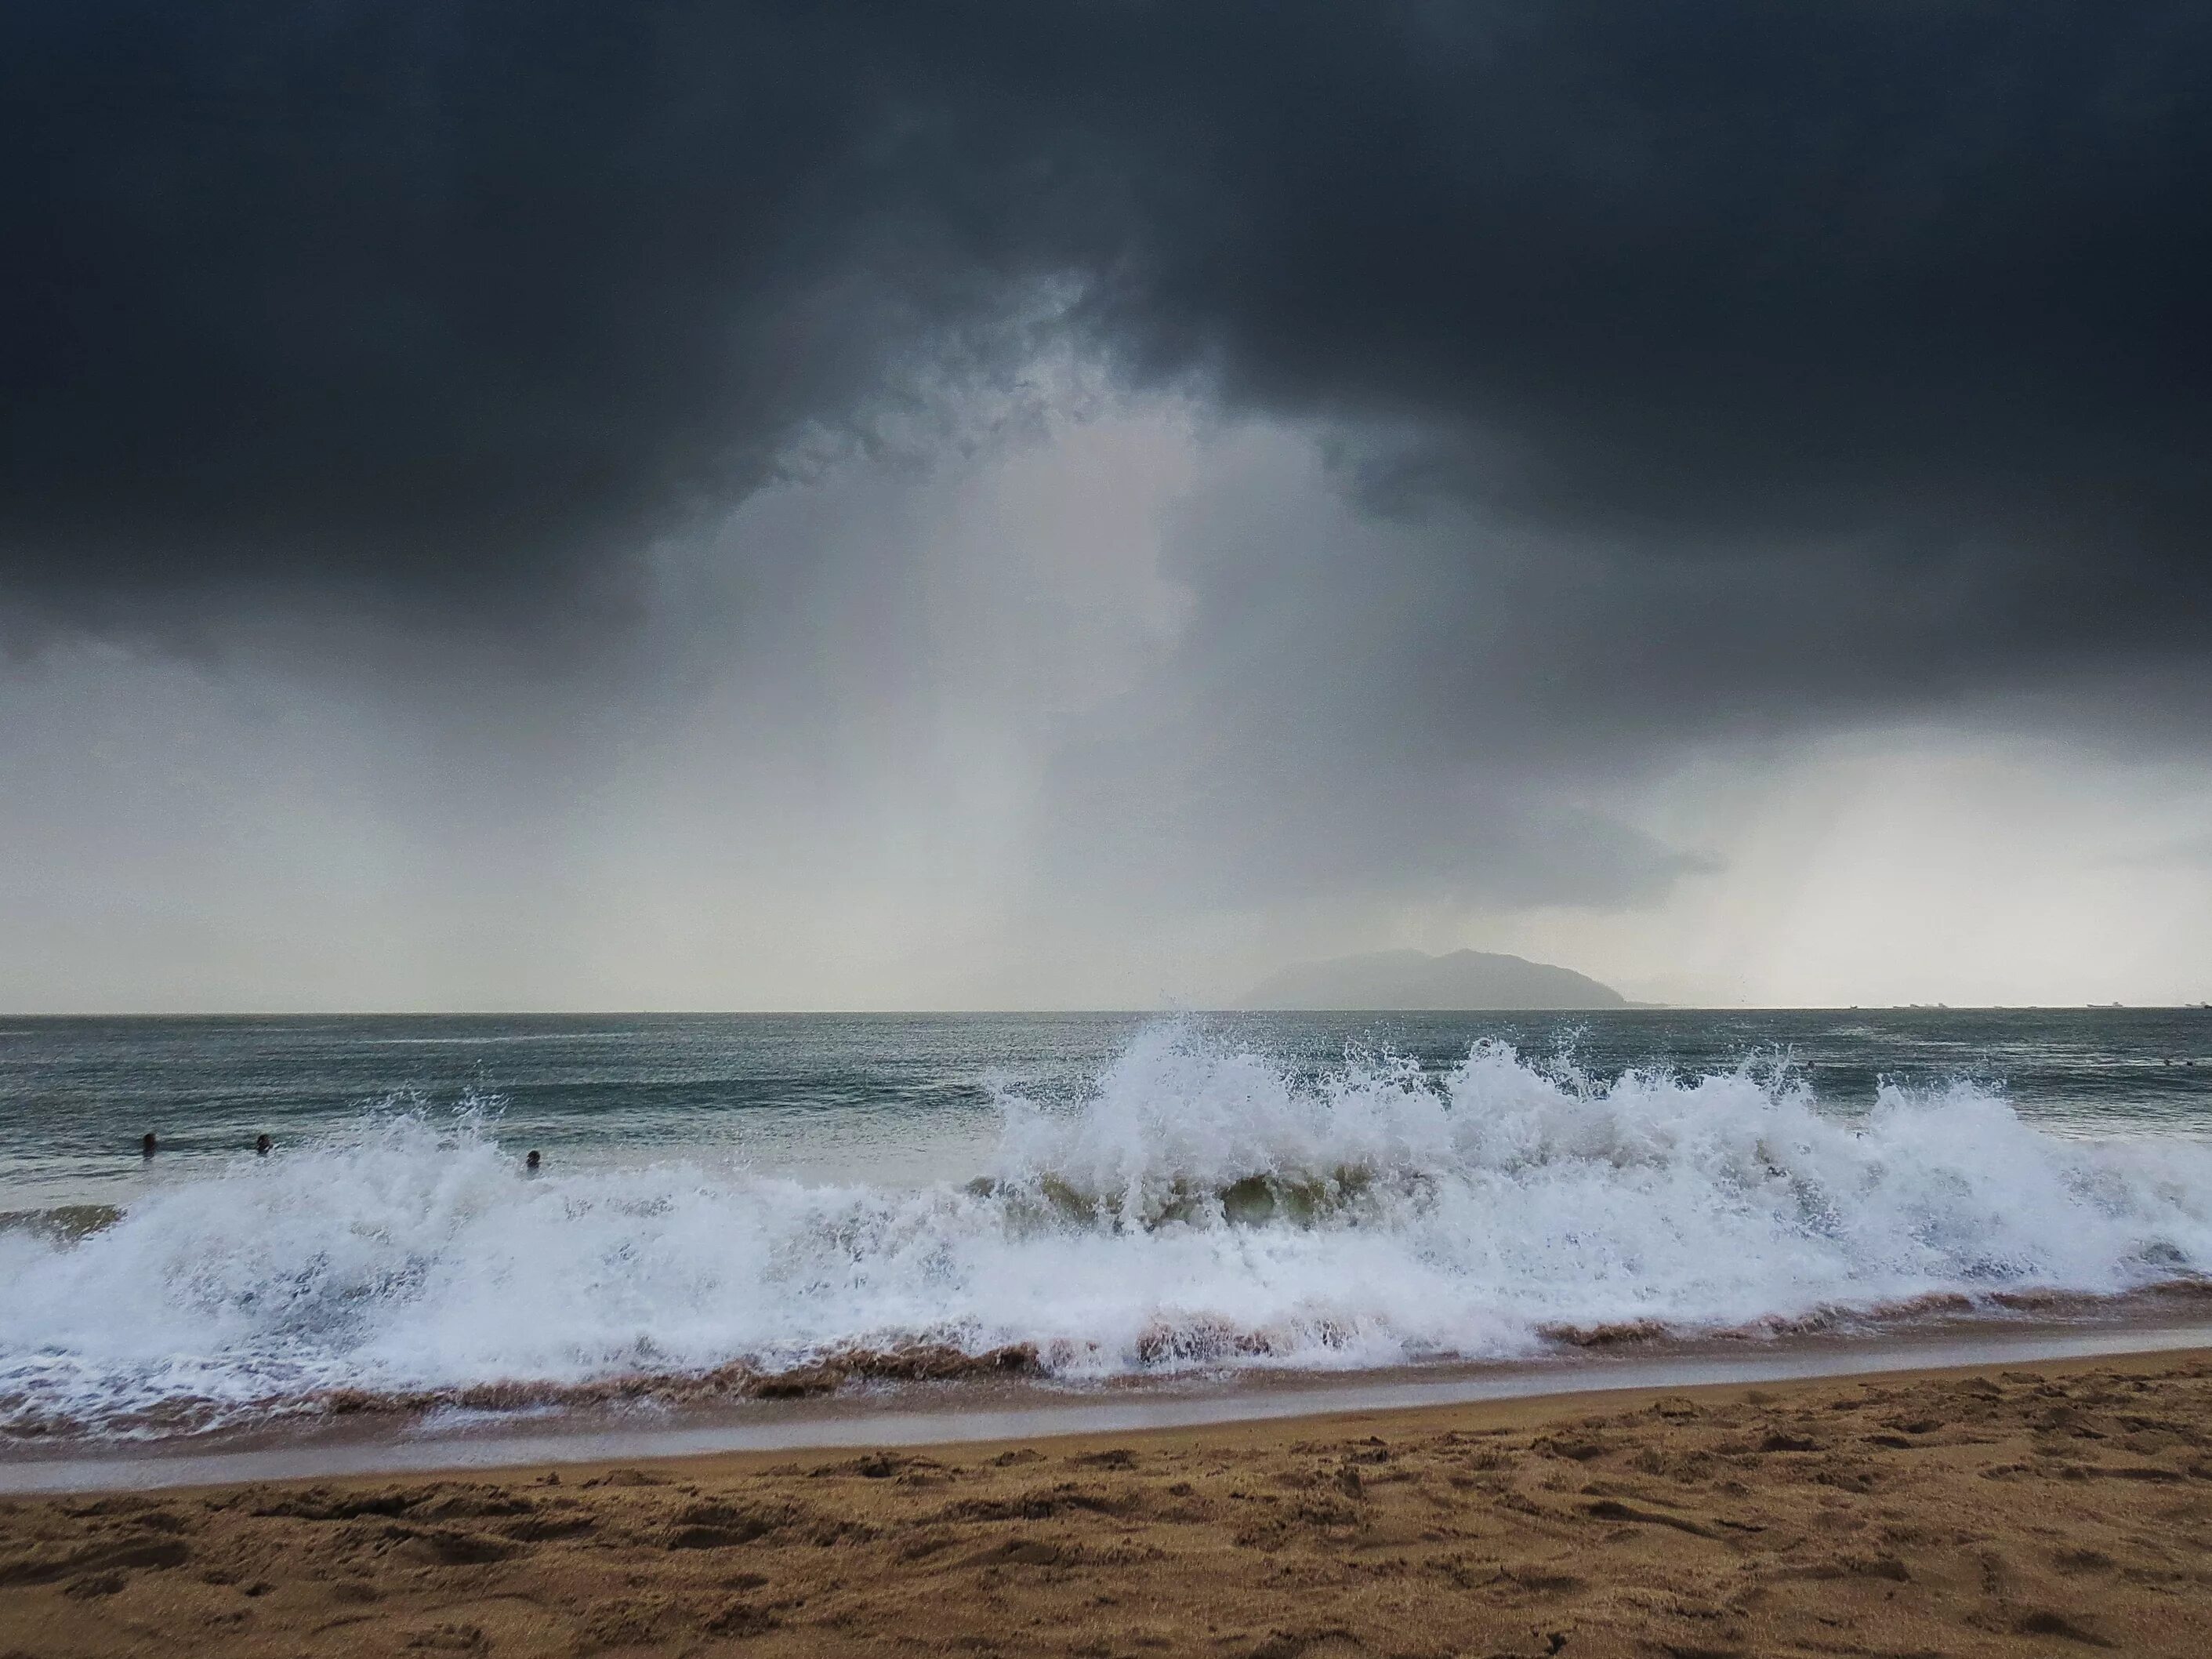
[[1687, 371], [1383, 711], [459, 296], [457, 302]]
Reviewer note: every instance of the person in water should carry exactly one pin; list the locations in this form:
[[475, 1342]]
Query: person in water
[[261, 1146], [147, 1146], [531, 1162]]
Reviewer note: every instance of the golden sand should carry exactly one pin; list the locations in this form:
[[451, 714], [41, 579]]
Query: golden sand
[[2057, 1508]]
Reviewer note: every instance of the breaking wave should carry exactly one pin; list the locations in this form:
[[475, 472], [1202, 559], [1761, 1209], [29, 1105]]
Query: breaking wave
[[1204, 1206]]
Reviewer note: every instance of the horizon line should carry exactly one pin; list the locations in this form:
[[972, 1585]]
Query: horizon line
[[1632, 1007]]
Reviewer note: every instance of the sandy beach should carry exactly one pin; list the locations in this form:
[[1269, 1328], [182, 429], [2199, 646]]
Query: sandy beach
[[2052, 1507]]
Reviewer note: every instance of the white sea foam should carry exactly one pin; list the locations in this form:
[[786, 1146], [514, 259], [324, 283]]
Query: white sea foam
[[1203, 1208]]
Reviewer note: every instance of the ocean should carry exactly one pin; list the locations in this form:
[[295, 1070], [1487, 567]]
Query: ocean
[[1096, 1201]]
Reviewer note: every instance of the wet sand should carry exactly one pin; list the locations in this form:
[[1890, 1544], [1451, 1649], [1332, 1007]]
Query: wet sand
[[2055, 1507], [836, 1409]]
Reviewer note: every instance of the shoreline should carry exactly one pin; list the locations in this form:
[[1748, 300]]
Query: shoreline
[[1991, 1509], [988, 1412]]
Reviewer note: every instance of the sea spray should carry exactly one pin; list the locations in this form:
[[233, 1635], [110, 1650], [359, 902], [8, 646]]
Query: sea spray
[[1203, 1206]]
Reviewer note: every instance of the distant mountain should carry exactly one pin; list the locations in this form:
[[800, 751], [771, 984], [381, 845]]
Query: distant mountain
[[1414, 979]]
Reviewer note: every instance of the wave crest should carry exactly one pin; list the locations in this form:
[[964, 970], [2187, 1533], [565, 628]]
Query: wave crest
[[1204, 1206]]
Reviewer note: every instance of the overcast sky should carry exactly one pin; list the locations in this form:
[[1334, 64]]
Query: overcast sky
[[618, 504]]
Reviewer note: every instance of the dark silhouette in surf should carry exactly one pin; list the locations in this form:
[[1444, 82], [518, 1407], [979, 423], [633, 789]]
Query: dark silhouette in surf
[[530, 1164], [147, 1146], [261, 1146]]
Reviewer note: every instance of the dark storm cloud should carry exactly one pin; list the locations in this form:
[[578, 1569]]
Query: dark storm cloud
[[452, 299]]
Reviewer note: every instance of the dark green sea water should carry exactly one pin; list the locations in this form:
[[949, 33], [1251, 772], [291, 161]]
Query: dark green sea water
[[905, 1096]]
